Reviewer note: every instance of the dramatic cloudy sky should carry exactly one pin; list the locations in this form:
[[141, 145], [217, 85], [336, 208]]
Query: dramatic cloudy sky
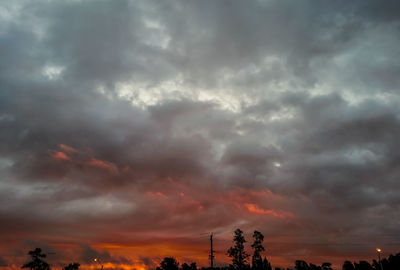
[[129, 130]]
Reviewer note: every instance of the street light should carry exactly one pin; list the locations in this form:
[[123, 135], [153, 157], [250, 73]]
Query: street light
[[379, 257], [98, 261]]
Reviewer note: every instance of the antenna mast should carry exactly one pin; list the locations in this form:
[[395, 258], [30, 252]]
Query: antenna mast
[[211, 251]]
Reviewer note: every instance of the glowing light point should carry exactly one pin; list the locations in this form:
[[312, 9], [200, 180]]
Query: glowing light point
[[379, 250], [98, 261], [277, 164]]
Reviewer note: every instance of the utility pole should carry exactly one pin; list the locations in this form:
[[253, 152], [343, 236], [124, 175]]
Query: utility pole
[[211, 251]]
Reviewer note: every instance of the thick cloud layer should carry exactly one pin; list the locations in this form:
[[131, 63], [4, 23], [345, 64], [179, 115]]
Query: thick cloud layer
[[131, 129]]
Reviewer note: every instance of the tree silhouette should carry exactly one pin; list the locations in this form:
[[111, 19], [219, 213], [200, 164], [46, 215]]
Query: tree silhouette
[[301, 265], [393, 262], [315, 267], [326, 266], [72, 266], [193, 266], [363, 265], [37, 262], [237, 252], [257, 262], [347, 265], [169, 263], [266, 265], [185, 266]]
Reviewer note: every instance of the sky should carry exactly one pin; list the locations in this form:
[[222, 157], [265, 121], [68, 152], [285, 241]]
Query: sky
[[131, 130]]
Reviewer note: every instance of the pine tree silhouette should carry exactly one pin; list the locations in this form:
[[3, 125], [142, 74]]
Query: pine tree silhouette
[[37, 262]]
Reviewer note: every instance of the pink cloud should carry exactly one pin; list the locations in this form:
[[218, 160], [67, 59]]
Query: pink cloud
[[102, 164], [253, 208], [67, 148], [60, 156]]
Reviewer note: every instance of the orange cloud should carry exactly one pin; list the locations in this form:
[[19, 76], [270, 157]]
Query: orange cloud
[[60, 156], [67, 148], [253, 208], [102, 164]]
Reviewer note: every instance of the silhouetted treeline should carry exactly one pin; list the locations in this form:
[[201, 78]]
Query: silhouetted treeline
[[37, 262], [240, 257], [390, 263], [239, 260]]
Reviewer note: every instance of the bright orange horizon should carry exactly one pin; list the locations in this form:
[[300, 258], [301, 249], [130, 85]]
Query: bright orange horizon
[[147, 256]]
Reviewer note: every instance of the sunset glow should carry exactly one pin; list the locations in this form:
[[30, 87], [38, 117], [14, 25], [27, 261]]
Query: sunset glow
[[60, 156], [255, 209], [134, 131]]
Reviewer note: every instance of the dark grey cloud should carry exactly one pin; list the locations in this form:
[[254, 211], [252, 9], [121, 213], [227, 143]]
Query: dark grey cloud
[[89, 254], [3, 262], [149, 262], [142, 122]]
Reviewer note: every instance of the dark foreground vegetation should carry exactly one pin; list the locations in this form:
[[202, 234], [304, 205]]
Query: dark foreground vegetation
[[240, 260]]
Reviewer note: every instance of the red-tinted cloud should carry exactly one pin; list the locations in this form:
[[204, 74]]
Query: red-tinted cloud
[[253, 208], [60, 156], [67, 148], [101, 164]]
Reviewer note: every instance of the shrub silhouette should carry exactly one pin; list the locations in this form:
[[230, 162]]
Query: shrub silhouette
[[72, 266], [169, 263], [37, 262]]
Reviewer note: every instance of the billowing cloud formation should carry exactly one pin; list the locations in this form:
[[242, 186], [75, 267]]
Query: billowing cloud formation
[[130, 130]]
